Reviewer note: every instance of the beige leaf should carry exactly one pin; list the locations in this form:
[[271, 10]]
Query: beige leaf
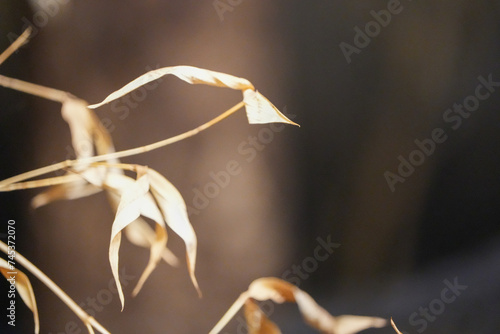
[[260, 110], [134, 202], [275, 289], [156, 240], [257, 322], [280, 291], [23, 287], [67, 191], [141, 234], [86, 132], [190, 74], [317, 317], [174, 211], [75, 113]]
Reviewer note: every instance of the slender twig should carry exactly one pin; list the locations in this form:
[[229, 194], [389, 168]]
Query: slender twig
[[16, 45], [34, 89], [230, 313], [84, 317], [52, 181], [134, 151]]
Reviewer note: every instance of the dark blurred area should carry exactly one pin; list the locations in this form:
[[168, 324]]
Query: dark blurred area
[[396, 160]]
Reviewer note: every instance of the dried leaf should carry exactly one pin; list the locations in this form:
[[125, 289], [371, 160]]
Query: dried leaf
[[189, 74], [81, 124], [174, 211], [23, 287], [280, 291], [257, 322], [86, 132], [141, 234], [136, 200], [259, 109], [67, 191], [317, 317], [275, 289]]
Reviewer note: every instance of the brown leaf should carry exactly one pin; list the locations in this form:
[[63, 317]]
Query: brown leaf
[[275, 289], [317, 317], [23, 287], [280, 291], [257, 322]]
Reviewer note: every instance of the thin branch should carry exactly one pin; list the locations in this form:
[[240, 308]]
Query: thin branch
[[16, 45], [52, 181], [230, 313], [84, 317], [34, 89], [134, 151]]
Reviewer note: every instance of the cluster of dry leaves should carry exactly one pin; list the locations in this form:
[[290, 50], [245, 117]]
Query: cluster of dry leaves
[[150, 195]]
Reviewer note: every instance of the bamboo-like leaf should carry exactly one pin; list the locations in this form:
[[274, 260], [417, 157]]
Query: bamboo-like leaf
[[257, 321], [134, 202], [189, 74], [174, 211], [259, 109], [155, 241], [23, 287], [280, 291]]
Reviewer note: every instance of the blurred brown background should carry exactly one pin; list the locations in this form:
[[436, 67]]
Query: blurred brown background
[[324, 180]]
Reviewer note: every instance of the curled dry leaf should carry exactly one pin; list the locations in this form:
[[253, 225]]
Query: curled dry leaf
[[23, 287], [87, 132], [174, 211], [257, 321], [259, 109], [279, 291], [135, 201]]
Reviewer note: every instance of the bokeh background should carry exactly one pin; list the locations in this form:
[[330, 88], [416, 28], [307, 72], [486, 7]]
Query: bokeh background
[[326, 179]]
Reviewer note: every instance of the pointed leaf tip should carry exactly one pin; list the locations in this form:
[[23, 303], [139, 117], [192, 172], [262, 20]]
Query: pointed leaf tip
[[261, 111]]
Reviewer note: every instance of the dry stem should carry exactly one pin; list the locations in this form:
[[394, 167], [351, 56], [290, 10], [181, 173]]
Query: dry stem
[[5, 184], [84, 317]]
